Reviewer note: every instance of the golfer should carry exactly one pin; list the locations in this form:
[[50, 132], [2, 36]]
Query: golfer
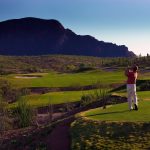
[[132, 74]]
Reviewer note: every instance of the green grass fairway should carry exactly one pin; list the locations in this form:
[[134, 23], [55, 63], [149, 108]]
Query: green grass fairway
[[37, 100], [144, 76], [53, 79], [120, 112], [144, 95]]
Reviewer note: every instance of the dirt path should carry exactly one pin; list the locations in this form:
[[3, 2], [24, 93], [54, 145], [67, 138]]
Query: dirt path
[[60, 139]]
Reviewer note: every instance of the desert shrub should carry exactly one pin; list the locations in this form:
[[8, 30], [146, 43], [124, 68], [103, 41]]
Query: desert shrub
[[93, 135], [5, 72], [24, 112], [145, 86], [70, 68], [31, 69], [5, 88], [100, 94], [68, 106], [5, 122], [87, 99], [100, 85], [103, 95], [84, 67], [7, 92], [58, 63], [25, 91]]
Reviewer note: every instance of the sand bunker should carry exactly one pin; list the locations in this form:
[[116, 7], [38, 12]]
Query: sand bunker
[[28, 76]]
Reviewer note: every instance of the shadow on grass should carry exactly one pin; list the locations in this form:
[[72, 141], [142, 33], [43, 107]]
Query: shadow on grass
[[107, 113]]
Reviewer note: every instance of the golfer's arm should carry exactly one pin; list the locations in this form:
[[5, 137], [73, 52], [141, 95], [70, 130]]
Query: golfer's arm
[[126, 72], [136, 75]]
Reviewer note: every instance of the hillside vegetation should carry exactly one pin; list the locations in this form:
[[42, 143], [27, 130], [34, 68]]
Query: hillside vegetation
[[37, 90], [71, 81], [30, 64]]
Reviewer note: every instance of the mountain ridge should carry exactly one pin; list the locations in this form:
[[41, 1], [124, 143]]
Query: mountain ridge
[[35, 36]]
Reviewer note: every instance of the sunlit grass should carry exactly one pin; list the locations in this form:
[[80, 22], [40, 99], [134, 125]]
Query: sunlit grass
[[53, 79], [38, 100], [120, 112]]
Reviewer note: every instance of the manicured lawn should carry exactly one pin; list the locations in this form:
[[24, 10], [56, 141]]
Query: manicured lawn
[[67, 96], [144, 95], [120, 112], [53, 79], [144, 76], [37, 100]]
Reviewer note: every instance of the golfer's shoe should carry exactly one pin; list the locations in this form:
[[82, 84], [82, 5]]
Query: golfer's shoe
[[131, 109], [135, 107]]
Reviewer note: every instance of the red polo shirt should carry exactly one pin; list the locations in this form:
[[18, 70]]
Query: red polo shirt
[[132, 76]]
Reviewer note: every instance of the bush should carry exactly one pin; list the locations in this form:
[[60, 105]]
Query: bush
[[87, 99], [105, 135], [103, 95], [100, 94], [24, 113], [84, 67], [70, 68], [25, 91], [8, 93], [5, 72], [145, 86], [5, 122], [31, 69]]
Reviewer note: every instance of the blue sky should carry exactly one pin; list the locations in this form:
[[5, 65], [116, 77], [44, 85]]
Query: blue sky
[[124, 22]]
